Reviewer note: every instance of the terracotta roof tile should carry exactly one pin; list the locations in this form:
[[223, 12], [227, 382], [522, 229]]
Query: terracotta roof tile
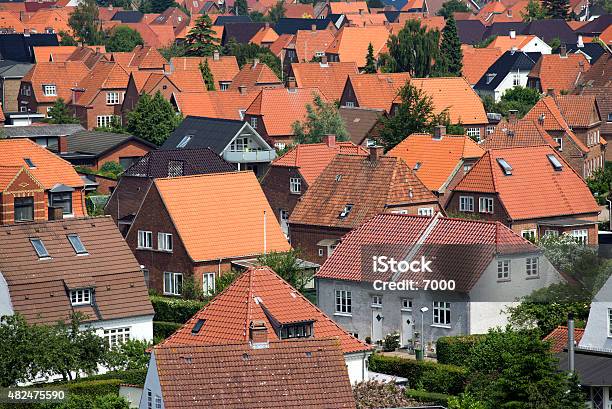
[[43, 19], [224, 69], [281, 42], [438, 158], [559, 73], [254, 77], [534, 189], [369, 185], [10, 20], [57, 53], [577, 110], [476, 61], [142, 57], [377, 90], [348, 7], [367, 19], [558, 338], [266, 35], [351, 43], [214, 104], [104, 75], [237, 230], [64, 75], [298, 10], [525, 132], [330, 77], [310, 42]]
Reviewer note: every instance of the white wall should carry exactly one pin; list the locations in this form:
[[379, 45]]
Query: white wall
[[132, 394], [357, 366], [141, 327], [152, 384], [6, 307], [508, 83], [596, 334], [537, 45]]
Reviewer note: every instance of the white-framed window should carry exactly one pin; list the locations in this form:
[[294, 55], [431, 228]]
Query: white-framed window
[[426, 211], [516, 79], [560, 142], [350, 104], [400, 211], [473, 132], [104, 121], [224, 86], [208, 283], [49, 90], [240, 144], [489, 129], [254, 122], [40, 248], [173, 283], [82, 296], [529, 234], [343, 302], [551, 233], [112, 98], [145, 239], [610, 322], [280, 145], [295, 185], [321, 252], [184, 141], [406, 304], [158, 402], [26, 91], [164, 242], [466, 203], [116, 336], [441, 313], [581, 236], [377, 301], [485, 204], [531, 266], [467, 168], [319, 54], [503, 269]]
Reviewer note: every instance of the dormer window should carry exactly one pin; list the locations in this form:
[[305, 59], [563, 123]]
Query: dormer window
[[302, 330], [30, 163], [50, 90], [77, 244], [345, 212], [40, 248], [184, 141], [295, 185], [417, 166], [81, 296], [490, 78]]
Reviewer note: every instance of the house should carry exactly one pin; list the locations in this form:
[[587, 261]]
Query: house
[[255, 76], [46, 82], [259, 294], [11, 74], [476, 61], [362, 124], [18, 47], [293, 25], [134, 183], [62, 188], [351, 190], [439, 160], [348, 7], [597, 75], [274, 124], [328, 76], [223, 68], [532, 190], [375, 91], [265, 37], [557, 73], [592, 51], [351, 44], [508, 71], [470, 31], [214, 104], [290, 175], [488, 266], [141, 58], [45, 135], [574, 123], [308, 44], [229, 209], [53, 269], [516, 133], [524, 43], [94, 148], [235, 141], [604, 105]]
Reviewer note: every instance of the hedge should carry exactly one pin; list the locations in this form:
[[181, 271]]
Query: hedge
[[162, 329], [428, 397], [431, 376], [456, 350], [96, 387], [174, 309], [132, 376]]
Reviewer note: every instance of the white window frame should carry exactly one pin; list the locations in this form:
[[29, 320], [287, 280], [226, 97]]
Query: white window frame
[[208, 283], [560, 142], [116, 336], [377, 301], [295, 185], [529, 234], [104, 121], [551, 233], [532, 267], [609, 322], [503, 270], [425, 211], [485, 204], [145, 239], [224, 86], [113, 98], [581, 236], [81, 296], [466, 204], [406, 304], [350, 104], [158, 402], [472, 131], [439, 313], [343, 302], [49, 90], [254, 122], [173, 290], [164, 242]]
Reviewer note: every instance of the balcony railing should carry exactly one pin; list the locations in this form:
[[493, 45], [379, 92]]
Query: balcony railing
[[249, 156]]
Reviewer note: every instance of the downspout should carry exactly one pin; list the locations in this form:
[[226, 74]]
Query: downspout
[[570, 342], [265, 234]]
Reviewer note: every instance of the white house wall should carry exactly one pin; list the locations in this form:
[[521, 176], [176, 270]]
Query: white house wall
[[508, 83], [537, 45], [151, 384], [597, 332], [140, 327], [6, 307], [357, 366]]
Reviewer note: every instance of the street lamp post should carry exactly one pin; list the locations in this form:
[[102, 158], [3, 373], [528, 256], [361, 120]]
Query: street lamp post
[[423, 311]]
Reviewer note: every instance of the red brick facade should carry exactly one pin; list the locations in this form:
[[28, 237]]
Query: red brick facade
[[23, 185]]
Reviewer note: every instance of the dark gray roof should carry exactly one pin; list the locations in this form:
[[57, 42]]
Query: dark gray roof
[[592, 368], [397, 4], [128, 16], [223, 20], [97, 143], [292, 25], [547, 30], [359, 122], [14, 69], [41, 130], [510, 60], [195, 162], [241, 32], [593, 50], [470, 31], [213, 133], [503, 29], [18, 47], [596, 26]]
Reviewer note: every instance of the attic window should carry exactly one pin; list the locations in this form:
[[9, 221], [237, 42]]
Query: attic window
[[345, 212], [198, 326], [506, 168], [555, 162], [77, 244], [417, 166], [338, 178], [39, 247], [80, 297], [184, 141], [29, 162], [490, 78]]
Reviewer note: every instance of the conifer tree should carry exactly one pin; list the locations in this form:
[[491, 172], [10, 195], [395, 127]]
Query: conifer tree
[[207, 76], [450, 60], [370, 67], [556, 8], [201, 40]]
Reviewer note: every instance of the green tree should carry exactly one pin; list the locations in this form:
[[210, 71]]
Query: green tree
[[370, 67], [520, 99], [464, 401], [512, 369], [159, 6], [555, 43], [414, 49], [173, 50], [277, 11], [321, 119], [111, 167], [451, 6], [115, 126], [485, 43], [207, 76], [201, 40], [129, 355], [257, 16], [534, 12], [556, 8], [60, 113], [450, 60], [85, 23], [414, 114], [286, 264], [246, 53], [18, 351], [123, 39], [108, 401], [600, 183], [153, 119], [66, 39], [241, 8]]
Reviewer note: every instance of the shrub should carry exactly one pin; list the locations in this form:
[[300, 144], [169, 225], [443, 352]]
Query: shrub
[[456, 350], [175, 309], [428, 397], [95, 387], [133, 376], [432, 376], [163, 329], [391, 342]]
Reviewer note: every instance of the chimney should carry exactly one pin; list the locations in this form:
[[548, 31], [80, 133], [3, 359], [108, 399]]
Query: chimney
[[26, 32], [512, 113], [255, 62], [360, 12], [563, 51], [168, 68], [110, 6], [313, 27], [242, 89], [97, 50], [512, 33], [439, 132], [291, 83], [76, 94], [62, 144], [258, 335], [581, 66], [267, 25], [56, 213], [375, 153], [550, 92], [330, 140], [324, 59], [580, 41], [541, 119], [570, 342], [216, 55], [509, 12]]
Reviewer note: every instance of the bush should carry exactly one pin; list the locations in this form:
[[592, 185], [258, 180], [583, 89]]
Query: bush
[[95, 387], [132, 377], [391, 342], [175, 309], [456, 350], [163, 329], [428, 397], [434, 377]]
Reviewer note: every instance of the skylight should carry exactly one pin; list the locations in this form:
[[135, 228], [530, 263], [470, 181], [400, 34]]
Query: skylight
[[198, 326], [338, 178], [184, 141], [417, 166], [39, 247], [558, 166], [77, 244], [506, 168], [29, 162], [345, 212]]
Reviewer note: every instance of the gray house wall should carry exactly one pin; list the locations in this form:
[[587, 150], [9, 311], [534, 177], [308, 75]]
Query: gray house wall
[[597, 334]]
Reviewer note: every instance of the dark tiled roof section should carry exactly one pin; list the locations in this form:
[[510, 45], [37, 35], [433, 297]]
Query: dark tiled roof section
[[470, 31], [596, 26], [360, 122], [128, 16], [550, 29], [599, 73], [97, 143], [42, 130], [195, 162], [18, 47], [292, 25], [213, 133], [510, 61], [241, 32], [308, 373], [503, 29], [38, 288], [593, 50], [223, 20]]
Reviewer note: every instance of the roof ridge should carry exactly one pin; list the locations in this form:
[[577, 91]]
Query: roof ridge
[[204, 175]]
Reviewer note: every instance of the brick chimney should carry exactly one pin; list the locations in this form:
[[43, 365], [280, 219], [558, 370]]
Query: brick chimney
[[512, 33], [62, 144], [563, 51], [330, 140], [242, 89], [550, 92], [375, 153], [541, 119], [512, 115], [313, 27], [258, 335], [439, 132], [56, 213], [216, 55]]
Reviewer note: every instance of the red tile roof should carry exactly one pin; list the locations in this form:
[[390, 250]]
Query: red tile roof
[[141, 57], [558, 338], [348, 7], [224, 69], [377, 90], [535, 189], [577, 110], [476, 61], [559, 73], [525, 132], [310, 42], [351, 43], [330, 77], [64, 75], [254, 77], [214, 104], [104, 75], [259, 294]]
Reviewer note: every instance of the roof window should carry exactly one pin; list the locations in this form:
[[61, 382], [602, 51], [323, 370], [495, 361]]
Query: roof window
[[506, 168], [39, 247], [184, 141], [77, 244], [417, 166], [554, 161], [345, 212], [29, 162], [198, 326]]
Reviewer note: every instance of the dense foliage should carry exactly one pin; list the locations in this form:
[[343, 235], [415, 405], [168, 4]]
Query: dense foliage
[[451, 6], [518, 98], [413, 49], [123, 39], [600, 183], [246, 53], [60, 113], [374, 395], [85, 23], [456, 350], [201, 40], [153, 119], [322, 118], [207, 76], [175, 309], [370, 67], [287, 265]]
